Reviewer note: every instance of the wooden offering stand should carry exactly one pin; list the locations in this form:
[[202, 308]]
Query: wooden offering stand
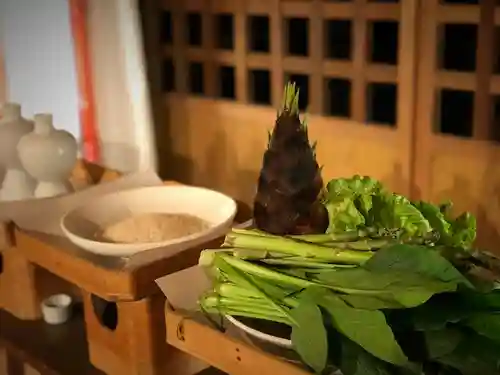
[[123, 309], [222, 351]]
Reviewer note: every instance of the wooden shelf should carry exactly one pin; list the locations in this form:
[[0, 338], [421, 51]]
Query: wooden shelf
[[222, 351], [51, 350]]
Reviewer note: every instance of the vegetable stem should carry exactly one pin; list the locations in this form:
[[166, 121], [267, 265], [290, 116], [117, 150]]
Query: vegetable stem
[[292, 247], [332, 237], [263, 272]]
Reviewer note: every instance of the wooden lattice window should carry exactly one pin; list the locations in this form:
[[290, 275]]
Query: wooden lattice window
[[342, 54], [459, 67]]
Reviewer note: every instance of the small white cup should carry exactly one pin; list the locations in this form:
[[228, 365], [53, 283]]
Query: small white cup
[[56, 309]]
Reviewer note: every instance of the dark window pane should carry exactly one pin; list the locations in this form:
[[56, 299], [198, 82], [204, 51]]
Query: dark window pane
[[260, 86], [459, 50], [382, 103], [227, 83], [196, 75], [224, 31], [455, 112], [338, 97], [384, 38], [259, 34], [298, 41], [338, 39], [166, 28], [194, 29]]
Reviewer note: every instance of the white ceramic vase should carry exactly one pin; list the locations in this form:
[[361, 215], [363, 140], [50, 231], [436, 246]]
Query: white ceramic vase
[[49, 155], [17, 184]]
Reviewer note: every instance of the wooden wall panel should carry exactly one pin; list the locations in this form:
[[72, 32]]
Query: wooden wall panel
[[459, 167], [472, 181], [220, 144]]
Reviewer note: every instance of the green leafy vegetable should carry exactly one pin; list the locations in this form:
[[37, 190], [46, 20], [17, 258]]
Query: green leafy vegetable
[[309, 336], [367, 328], [405, 288], [360, 202], [393, 287], [419, 259], [486, 324]]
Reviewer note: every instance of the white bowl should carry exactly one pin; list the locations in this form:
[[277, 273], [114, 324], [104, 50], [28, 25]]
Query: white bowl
[[81, 224], [279, 341]]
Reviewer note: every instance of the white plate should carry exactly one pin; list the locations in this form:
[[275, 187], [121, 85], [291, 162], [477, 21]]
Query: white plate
[[81, 225], [279, 341]]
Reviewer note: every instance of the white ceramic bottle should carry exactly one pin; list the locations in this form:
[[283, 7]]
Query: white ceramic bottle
[[49, 155], [17, 184]]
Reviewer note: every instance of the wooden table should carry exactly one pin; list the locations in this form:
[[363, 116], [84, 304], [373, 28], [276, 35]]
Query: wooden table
[[123, 308]]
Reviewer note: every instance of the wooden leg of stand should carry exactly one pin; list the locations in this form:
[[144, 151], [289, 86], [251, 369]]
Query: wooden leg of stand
[[126, 338], [14, 365], [18, 292]]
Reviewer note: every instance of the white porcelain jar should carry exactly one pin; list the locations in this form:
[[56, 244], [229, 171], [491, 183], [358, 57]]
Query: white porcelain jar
[[17, 184], [49, 155]]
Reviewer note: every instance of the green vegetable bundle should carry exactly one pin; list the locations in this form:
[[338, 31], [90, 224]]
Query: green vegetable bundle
[[392, 288]]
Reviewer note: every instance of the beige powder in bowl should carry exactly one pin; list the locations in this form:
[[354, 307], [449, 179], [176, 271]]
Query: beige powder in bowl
[[152, 227]]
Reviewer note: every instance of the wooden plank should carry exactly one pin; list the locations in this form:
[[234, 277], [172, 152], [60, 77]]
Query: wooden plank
[[425, 106], [360, 48], [277, 38], [406, 87], [485, 54], [222, 351]]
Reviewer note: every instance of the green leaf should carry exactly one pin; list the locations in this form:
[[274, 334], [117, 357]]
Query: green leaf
[[446, 308], [395, 211], [475, 355], [367, 328], [486, 324], [348, 202], [404, 288], [438, 312], [442, 342], [437, 220], [464, 230], [370, 302], [343, 214], [416, 259], [459, 232], [356, 361], [309, 336]]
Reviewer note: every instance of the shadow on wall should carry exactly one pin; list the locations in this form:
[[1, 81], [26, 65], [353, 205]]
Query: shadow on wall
[[488, 235], [150, 23], [396, 181], [218, 169]]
